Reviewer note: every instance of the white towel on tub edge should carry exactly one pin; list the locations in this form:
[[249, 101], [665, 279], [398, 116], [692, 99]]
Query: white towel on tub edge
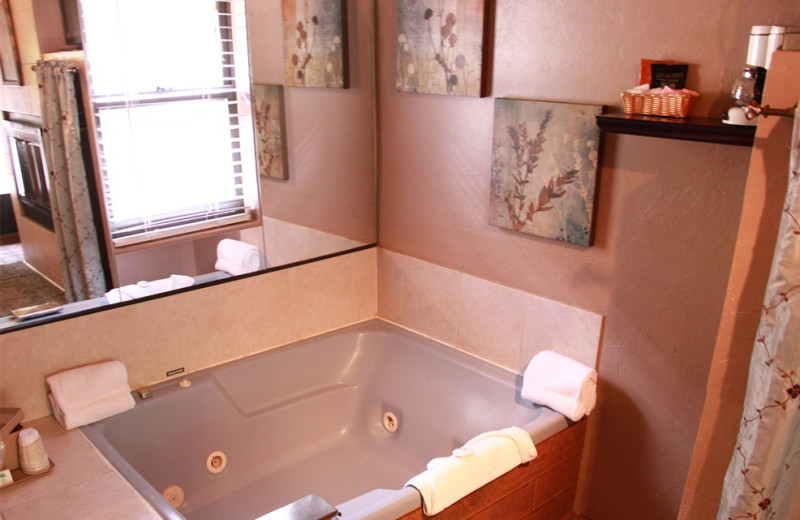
[[561, 383], [87, 394], [481, 460]]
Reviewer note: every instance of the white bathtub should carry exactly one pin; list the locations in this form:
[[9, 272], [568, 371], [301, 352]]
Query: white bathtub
[[309, 418]]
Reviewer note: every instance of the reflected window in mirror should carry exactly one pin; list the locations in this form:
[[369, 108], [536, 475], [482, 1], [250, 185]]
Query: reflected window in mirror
[[169, 83]]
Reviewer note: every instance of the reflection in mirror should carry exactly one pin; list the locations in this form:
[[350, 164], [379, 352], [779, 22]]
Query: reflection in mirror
[[326, 205]]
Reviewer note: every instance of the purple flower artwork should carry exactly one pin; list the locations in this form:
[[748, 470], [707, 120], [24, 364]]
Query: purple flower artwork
[[314, 44], [440, 47], [544, 169]]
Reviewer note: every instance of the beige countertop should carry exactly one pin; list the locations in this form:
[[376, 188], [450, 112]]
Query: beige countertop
[[81, 485]]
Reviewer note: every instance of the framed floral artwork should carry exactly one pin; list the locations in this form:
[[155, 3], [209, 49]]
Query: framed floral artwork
[[441, 47], [9, 53], [270, 131], [544, 169], [314, 43]]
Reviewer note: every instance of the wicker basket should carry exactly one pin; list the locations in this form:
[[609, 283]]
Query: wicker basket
[[670, 105]]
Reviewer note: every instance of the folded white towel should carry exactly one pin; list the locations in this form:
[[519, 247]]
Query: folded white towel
[[478, 462], [141, 289], [87, 394], [561, 383], [236, 257]]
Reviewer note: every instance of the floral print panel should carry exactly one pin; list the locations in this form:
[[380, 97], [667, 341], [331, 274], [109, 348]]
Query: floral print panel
[[544, 169]]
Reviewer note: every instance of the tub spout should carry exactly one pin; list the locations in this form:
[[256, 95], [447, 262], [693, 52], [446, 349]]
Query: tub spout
[[144, 393]]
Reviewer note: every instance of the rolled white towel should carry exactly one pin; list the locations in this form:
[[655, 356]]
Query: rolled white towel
[[237, 257], [87, 394], [561, 383], [478, 462], [141, 289]]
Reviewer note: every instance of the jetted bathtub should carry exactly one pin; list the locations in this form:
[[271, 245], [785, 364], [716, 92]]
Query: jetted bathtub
[[350, 415]]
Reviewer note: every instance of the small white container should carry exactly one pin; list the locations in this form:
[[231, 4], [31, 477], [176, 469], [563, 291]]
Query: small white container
[[32, 455]]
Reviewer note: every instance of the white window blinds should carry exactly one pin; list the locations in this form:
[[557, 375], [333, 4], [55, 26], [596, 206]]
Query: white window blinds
[[169, 84]]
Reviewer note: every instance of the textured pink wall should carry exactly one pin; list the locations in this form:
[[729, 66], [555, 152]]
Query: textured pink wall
[[666, 223], [331, 184]]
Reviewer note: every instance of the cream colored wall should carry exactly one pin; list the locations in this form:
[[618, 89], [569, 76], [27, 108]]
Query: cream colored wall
[[192, 330], [665, 228]]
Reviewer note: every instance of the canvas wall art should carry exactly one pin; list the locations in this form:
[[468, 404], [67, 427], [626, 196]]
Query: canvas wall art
[[270, 131], [314, 36], [544, 169], [9, 52], [440, 47]]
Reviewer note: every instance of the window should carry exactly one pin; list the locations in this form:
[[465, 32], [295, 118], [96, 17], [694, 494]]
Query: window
[[169, 83]]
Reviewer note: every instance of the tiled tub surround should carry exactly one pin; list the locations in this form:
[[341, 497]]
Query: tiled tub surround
[[232, 320], [497, 323]]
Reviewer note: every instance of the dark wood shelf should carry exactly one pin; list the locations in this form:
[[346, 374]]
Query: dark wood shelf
[[705, 129]]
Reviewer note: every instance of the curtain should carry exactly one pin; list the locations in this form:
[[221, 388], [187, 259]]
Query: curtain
[[763, 478], [78, 245]]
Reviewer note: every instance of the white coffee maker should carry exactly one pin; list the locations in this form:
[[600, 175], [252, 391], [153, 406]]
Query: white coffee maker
[[764, 40]]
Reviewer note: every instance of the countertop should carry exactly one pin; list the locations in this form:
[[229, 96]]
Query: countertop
[[82, 484]]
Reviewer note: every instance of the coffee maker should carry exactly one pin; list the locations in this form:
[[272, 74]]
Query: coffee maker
[[764, 40]]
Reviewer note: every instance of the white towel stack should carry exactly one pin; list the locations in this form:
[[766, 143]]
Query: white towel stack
[[561, 383], [478, 462], [141, 289], [87, 394], [236, 257]]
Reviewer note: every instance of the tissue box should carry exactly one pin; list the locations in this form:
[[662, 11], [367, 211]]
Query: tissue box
[[11, 459], [669, 105]]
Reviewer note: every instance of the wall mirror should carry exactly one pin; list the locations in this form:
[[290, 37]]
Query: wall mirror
[[326, 205]]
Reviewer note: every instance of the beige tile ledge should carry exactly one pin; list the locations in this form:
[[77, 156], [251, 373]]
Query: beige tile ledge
[[82, 484]]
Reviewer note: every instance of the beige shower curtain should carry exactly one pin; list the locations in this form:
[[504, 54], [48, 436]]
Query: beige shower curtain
[[81, 259], [763, 478]]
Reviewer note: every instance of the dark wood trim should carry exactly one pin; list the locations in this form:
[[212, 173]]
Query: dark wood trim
[[704, 129]]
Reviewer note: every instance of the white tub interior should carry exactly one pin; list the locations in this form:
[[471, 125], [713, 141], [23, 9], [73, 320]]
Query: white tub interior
[[308, 418]]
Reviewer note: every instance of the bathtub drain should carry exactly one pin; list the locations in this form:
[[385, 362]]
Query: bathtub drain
[[390, 423], [174, 495]]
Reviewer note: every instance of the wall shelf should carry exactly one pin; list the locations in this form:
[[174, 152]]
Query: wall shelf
[[705, 129]]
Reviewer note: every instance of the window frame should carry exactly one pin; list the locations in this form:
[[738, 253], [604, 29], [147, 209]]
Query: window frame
[[196, 224]]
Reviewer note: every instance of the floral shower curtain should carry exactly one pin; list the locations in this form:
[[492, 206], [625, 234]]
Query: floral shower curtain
[[81, 259], [763, 479]]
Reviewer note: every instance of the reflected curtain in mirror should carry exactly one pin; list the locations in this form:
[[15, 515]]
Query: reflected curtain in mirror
[[78, 245]]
